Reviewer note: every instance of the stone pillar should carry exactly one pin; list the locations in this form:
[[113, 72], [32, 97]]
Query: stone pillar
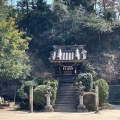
[[97, 98], [81, 107], [48, 107], [31, 98]]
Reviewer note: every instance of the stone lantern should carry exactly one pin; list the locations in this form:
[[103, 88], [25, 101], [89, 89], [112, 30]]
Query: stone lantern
[[48, 107], [81, 107]]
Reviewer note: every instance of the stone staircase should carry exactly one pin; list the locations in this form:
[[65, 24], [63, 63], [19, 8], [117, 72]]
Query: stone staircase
[[66, 100]]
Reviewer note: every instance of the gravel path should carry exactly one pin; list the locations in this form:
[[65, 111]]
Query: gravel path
[[113, 114]]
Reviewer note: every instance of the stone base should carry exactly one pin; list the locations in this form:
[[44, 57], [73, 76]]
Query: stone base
[[48, 108], [81, 108]]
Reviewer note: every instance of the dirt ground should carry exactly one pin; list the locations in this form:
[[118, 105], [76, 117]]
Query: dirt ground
[[11, 114]]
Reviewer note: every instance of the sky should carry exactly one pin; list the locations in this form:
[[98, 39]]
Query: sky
[[14, 1]]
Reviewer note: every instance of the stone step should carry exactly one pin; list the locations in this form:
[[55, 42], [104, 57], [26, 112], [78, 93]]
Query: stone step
[[65, 106], [64, 97], [66, 92], [66, 84], [65, 110], [64, 102], [66, 87]]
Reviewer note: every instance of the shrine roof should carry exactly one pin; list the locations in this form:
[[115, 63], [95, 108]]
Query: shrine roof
[[72, 53]]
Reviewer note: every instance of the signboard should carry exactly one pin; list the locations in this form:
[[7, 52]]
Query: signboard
[[67, 68]]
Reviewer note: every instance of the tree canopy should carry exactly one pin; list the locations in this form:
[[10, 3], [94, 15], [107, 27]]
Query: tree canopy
[[14, 62]]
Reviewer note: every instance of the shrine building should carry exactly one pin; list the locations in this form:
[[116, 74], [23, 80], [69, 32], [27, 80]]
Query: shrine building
[[68, 61]]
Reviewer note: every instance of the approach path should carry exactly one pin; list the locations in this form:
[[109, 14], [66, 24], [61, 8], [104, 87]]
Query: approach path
[[113, 114]]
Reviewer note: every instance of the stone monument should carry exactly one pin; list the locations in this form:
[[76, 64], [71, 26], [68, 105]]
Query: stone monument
[[96, 98]]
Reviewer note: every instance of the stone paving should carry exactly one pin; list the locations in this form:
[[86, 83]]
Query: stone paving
[[113, 114]]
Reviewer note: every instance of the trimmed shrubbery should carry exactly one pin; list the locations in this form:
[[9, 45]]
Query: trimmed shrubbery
[[103, 91], [87, 80], [89, 100], [38, 95]]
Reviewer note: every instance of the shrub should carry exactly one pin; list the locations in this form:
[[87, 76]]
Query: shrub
[[24, 105], [89, 100], [24, 90], [106, 106], [87, 80], [38, 80], [54, 85], [39, 96], [103, 91], [23, 94]]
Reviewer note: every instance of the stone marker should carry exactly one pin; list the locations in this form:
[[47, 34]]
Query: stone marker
[[96, 98], [31, 98]]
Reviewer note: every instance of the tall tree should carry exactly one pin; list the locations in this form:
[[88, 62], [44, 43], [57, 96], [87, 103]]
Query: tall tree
[[109, 9], [37, 24], [86, 5], [13, 57], [14, 62]]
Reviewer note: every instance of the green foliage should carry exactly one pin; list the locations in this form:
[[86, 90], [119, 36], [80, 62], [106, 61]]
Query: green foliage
[[39, 21], [88, 68], [98, 24], [86, 5], [22, 94], [54, 85], [89, 101], [39, 96], [13, 58], [64, 26], [3, 10], [103, 91], [109, 14], [24, 105], [87, 80], [106, 106], [39, 93], [39, 81], [31, 83]]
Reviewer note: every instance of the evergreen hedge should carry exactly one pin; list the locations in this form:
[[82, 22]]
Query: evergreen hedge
[[103, 91]]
